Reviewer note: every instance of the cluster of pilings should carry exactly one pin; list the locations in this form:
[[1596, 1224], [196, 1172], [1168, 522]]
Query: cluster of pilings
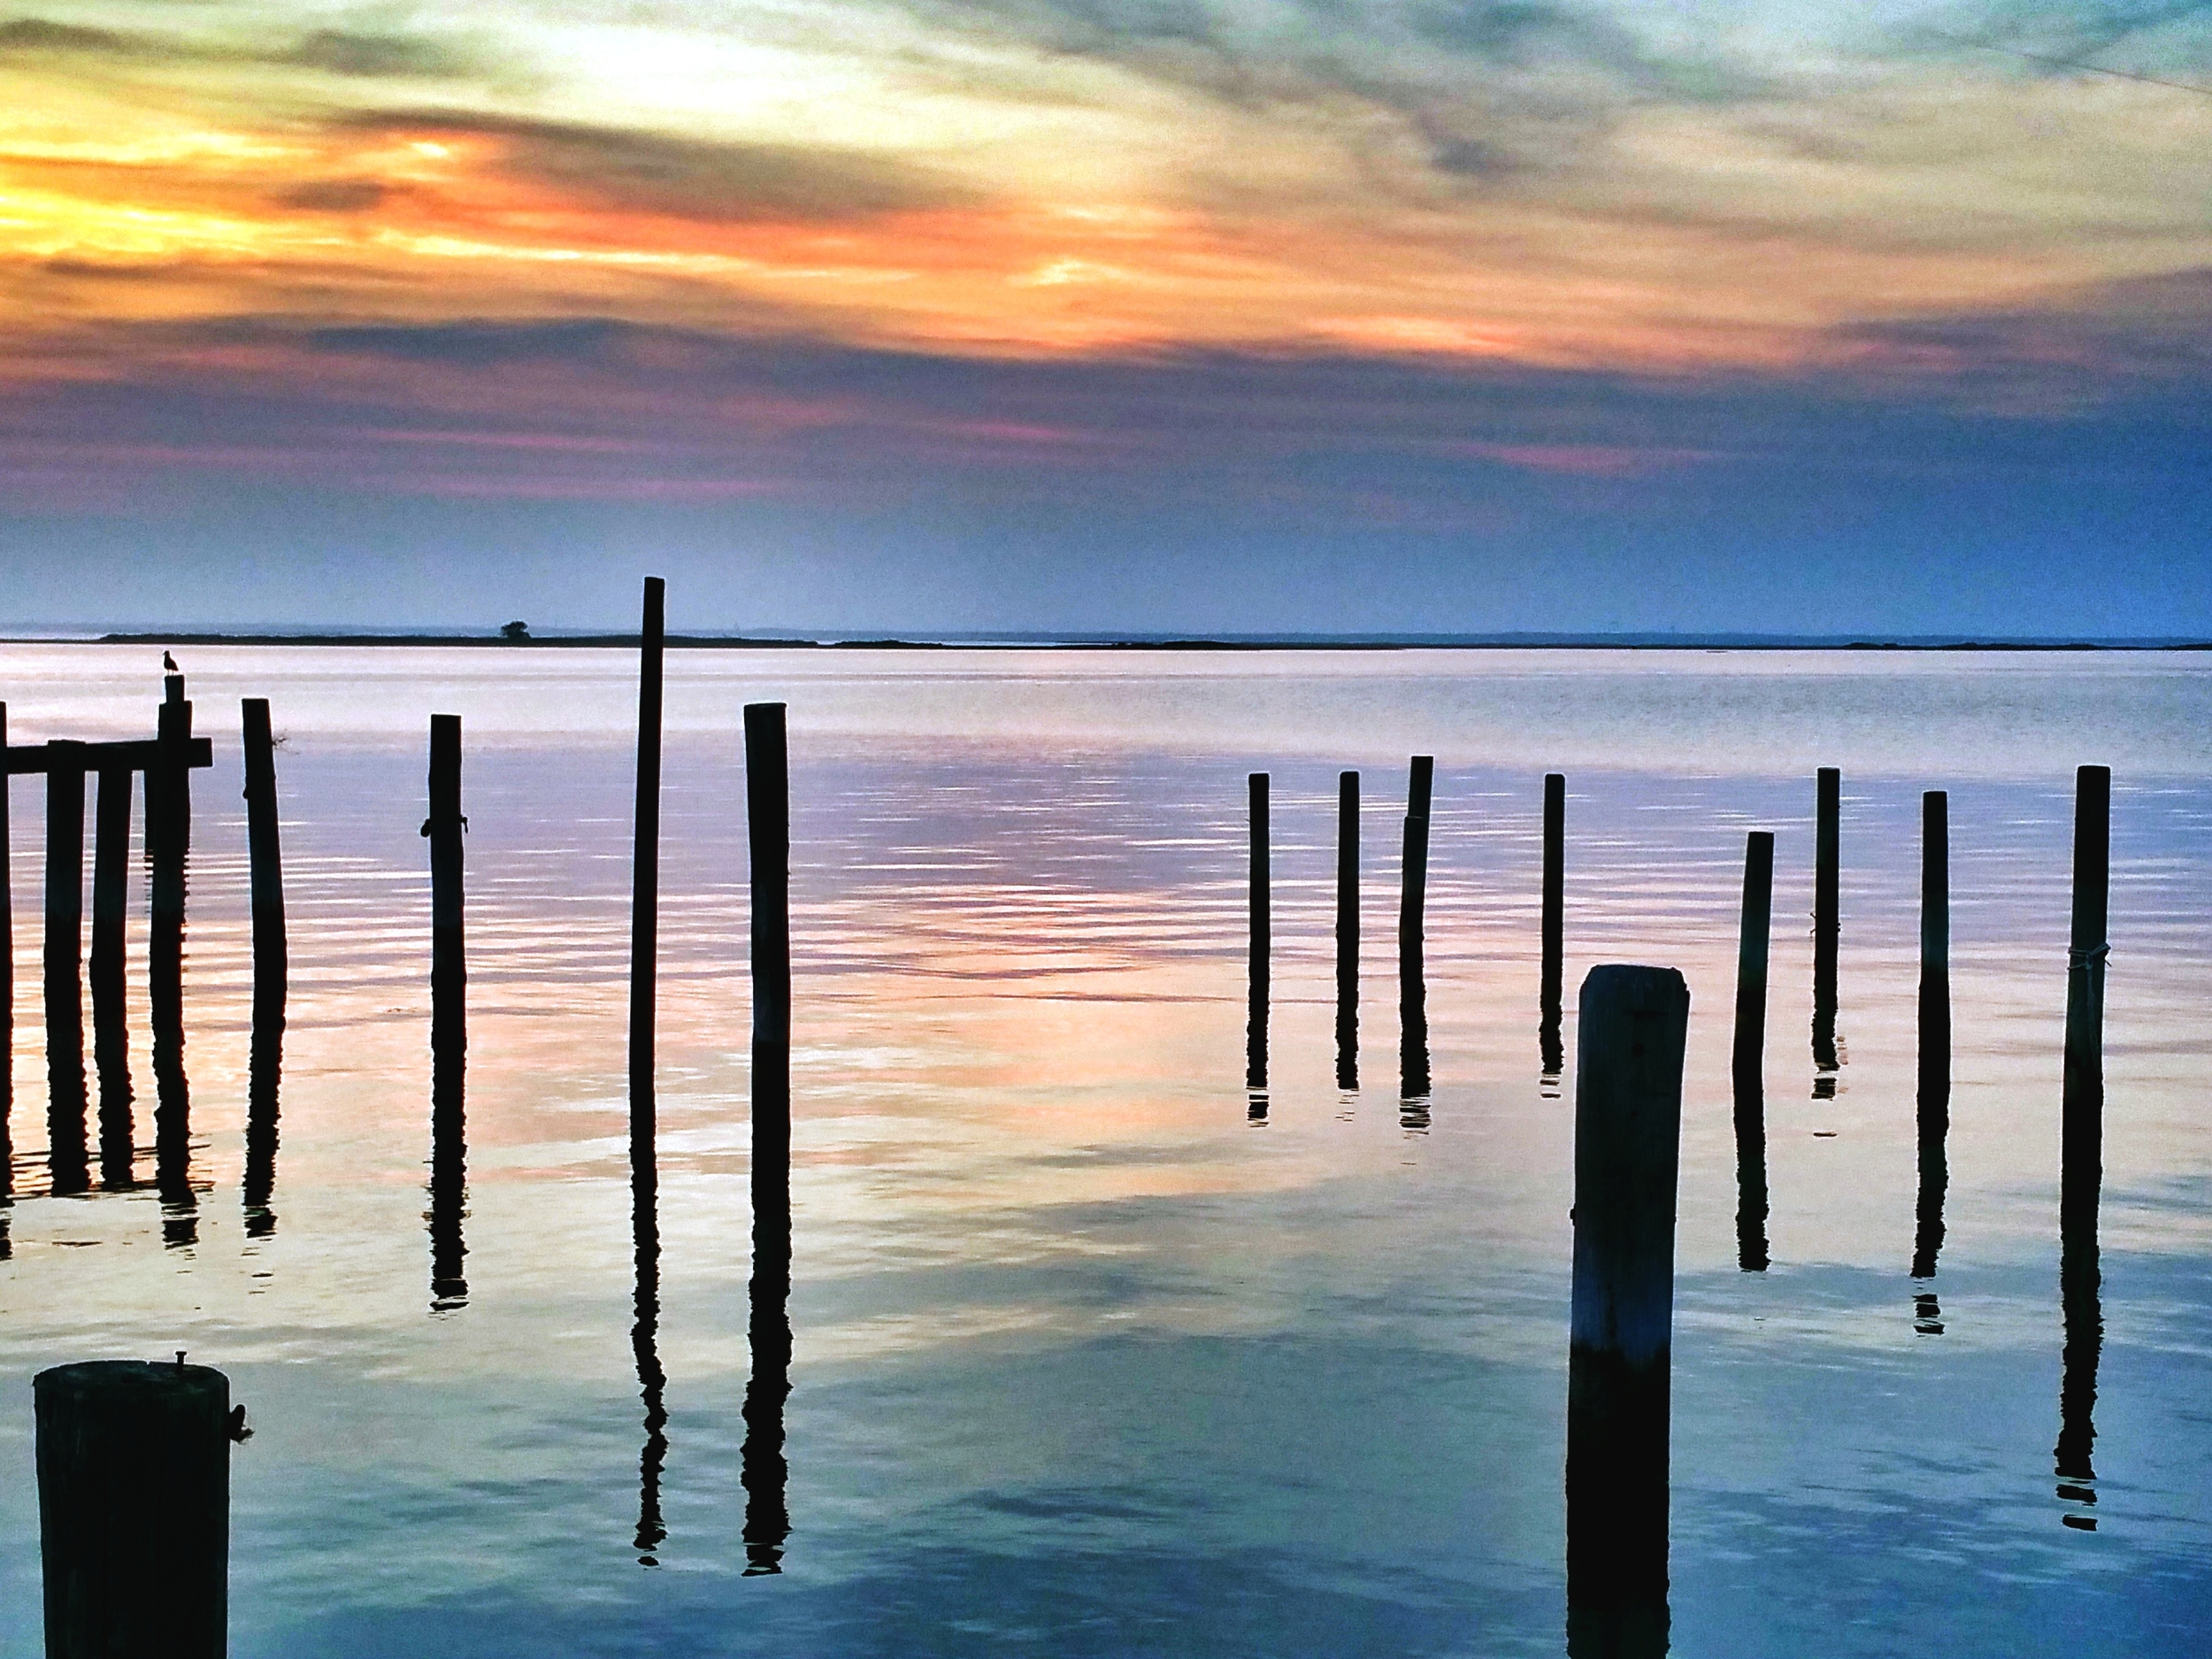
[[167, 762], [101, 1426]]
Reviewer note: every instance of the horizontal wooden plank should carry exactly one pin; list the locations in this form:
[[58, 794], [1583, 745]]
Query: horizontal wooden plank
[[137, 756]]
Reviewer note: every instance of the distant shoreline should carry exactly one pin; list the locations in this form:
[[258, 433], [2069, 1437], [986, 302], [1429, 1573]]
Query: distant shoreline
[[707, 641]]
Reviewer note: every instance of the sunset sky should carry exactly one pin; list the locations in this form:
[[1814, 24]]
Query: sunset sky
[[1222, 315]]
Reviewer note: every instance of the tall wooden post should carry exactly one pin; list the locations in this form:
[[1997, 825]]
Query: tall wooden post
[[168, 841], [1413, 1004], [645, 867], [1348, 930], [64, 966], [768, 824], [1933, 1104], [2082, 1136], [1827, 925], [448, 1017], [1260, 939], [271, 963], [134, 1500], [1749, 1066], [111, 1038], [1628, 1124], [1552, 1053]]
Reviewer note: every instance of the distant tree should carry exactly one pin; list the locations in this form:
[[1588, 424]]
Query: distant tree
[[515, 632]]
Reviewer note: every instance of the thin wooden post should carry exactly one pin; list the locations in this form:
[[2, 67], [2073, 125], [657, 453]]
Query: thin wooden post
[[1413, 1004], [111, 1038], [1348, 930], [1748, 1065], [449, 1016], [1932, 1101], [7, 989], [65, 966], [1260, 939], [645, 865], [133, 1501], [272, 965], [1827, 925], [1552, 1054], [2082, 1136], [168, 840], [1628, 1123], [762, 1471]]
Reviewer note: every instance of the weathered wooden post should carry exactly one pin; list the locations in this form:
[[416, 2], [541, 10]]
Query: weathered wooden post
[[1257, 973], [768, 824], [64, 966], [168, 841], [111, 1038], [1348, 930], [1413, 1002], [134, 1500], [1748, 1069], [645, 868], [1628, 1123], [1827, 925], [1554, 912], [271, 963], [7, 985], [2082, 1136], [448, 1017], [1933, 1103]]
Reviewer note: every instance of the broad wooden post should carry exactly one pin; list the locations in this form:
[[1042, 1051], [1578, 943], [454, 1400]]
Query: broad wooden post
[[134, 1499], [1628, 1124]]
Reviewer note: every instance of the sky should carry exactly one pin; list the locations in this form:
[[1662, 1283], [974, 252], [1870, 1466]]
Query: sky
[[1159, 315]]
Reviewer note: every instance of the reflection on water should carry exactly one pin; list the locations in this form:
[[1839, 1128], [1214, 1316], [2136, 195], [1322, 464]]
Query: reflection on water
[[1003, 1362]]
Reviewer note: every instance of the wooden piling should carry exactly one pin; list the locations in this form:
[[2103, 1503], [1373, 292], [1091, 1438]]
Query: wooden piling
[[1628, 1121], [1555, 895], [1260, 933], [168, 841], [7, 985], [768, 824], [180, 776], [645, 867], [110, 1037], [1933, 1100], [1413, 1009], [1827, 923], [448, 951], [134, 1498], [1348, 930], [2082, 1136], [64, 963], [272, 969], [1748, 1069]]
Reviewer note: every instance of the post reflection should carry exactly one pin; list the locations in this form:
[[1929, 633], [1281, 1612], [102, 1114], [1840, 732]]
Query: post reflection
[[645, 1344], [449, 1184], [264, 1066], [763, 1470], [2080, 1283]]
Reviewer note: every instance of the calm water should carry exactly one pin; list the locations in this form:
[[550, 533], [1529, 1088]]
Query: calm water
[[1087, 1358]]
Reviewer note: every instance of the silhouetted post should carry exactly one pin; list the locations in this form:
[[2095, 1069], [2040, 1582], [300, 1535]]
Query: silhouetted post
[[1554, 899], [1748, 1067], [1348, 930], [768, 824], [110, 1040], [1255, 1011], [7, 992], [2083, 1132], [449, 1016], [168, 838], [1413, 1003], [1933, 1110], [272, 969], [133, 1501], [1827, 923], [65, 966], [645, 867], [1628, 1124]]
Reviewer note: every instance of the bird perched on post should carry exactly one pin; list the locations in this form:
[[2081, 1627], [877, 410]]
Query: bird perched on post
[[169, 663]]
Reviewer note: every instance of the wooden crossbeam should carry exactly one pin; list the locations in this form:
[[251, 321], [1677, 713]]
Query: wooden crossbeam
[[139, 757]]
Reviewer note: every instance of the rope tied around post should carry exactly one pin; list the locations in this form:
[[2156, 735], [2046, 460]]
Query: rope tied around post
[[2077, 956]]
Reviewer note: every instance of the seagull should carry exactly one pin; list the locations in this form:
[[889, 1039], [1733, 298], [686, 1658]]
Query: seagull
[[169, 663]]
